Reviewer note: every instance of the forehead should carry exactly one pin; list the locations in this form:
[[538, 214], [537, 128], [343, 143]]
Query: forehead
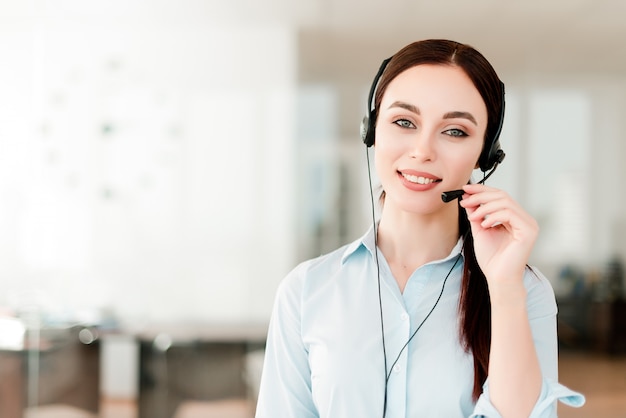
[[438, 88]]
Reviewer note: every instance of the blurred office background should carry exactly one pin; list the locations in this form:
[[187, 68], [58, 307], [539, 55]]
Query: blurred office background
[[164, 164]]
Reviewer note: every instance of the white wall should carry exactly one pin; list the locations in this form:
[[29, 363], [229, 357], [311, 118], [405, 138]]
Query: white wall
[[145, 163]]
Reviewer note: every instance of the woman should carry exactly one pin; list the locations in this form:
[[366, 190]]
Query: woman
[[434, 312]]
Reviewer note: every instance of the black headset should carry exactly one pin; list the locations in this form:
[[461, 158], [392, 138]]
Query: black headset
[[490, 156]]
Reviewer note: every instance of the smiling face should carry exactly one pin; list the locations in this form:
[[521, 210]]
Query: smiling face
[[429, 134]]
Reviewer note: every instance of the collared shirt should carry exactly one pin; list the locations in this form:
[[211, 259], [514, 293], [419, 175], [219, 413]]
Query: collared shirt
[[324, 352]]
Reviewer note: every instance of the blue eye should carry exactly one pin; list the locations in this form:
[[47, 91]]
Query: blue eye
[[455, 132], [403, 123]]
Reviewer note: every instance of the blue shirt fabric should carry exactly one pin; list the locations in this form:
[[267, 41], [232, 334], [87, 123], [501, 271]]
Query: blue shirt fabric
[[324, 351]]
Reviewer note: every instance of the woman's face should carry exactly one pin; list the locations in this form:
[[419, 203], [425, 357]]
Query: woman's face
[[429, 135]]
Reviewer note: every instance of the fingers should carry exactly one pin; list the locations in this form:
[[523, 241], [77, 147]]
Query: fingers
[[491, 207], [504, 234]]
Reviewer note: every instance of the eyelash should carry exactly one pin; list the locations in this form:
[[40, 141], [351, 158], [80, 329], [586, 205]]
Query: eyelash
[[460, 133], [404, 123], [407, 124]]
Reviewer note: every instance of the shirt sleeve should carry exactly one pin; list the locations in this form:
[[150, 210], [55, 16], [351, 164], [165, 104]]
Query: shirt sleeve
[[542, 311], [285, 389]]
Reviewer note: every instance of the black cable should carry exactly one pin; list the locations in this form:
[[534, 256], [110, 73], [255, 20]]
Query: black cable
[[429, 313], [487, 175], [380, 299]]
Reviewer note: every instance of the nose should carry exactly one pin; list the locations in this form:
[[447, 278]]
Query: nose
[[422, 147]]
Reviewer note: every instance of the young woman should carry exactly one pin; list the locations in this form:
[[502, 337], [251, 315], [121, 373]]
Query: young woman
[[434, 312]]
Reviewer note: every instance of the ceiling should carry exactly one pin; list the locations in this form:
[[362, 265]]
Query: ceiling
[[553, 36], [556, 37]]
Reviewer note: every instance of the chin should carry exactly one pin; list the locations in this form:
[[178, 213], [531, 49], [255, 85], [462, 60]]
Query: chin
[[422, 206]]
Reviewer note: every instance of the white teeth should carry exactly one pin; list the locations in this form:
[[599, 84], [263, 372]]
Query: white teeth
[[418, 179]]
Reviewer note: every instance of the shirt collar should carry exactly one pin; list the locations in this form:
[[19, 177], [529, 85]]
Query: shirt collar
[[368, 242]]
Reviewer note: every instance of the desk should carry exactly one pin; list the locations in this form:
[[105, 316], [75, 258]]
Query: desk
[[68, 373], [193, 362]]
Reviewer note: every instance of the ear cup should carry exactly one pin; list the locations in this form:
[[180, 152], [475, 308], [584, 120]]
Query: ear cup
[[492, 154], [489, 160], [368, 124], [364, 130], [368, 129]]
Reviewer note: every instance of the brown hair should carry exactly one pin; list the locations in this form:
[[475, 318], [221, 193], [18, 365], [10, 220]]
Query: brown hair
[[474, 302]]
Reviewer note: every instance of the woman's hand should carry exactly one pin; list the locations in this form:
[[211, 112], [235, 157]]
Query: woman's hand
[[504, 233]]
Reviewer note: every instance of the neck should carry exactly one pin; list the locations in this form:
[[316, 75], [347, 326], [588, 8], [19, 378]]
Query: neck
[[411, 240]]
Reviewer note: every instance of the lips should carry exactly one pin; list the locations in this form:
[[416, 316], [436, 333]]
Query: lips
[[418, 181], [419, 178]]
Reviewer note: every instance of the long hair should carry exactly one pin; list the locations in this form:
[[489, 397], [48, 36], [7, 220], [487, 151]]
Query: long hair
[[474, 302]]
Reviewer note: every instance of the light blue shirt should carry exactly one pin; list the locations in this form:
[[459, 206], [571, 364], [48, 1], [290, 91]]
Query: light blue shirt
[[324, 353]]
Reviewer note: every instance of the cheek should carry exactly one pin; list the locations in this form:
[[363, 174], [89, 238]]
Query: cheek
[[465, 161], [476, 156], [384, 154], [383, 165], [379, 160], [391, 147], [472, 163]]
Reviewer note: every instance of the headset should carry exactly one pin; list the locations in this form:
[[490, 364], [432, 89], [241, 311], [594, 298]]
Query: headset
[[490, 156]]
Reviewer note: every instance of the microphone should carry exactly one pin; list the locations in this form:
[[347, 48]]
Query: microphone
[[451, 195]]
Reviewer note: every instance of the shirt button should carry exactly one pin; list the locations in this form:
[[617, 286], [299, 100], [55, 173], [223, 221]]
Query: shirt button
[[404, 316], [396, 369]]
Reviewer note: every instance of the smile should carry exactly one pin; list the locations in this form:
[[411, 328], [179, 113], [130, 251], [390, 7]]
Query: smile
[[419, 179]]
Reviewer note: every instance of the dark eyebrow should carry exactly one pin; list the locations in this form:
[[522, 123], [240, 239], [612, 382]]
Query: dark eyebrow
[[464, 115], [406, 106], [449, 115]]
